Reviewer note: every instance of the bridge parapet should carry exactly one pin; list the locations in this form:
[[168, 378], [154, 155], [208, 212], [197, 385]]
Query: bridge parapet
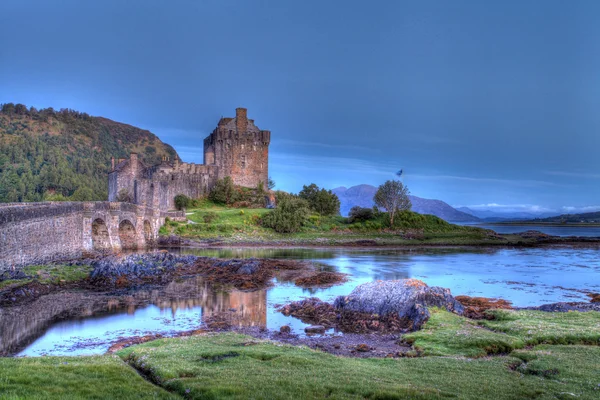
[[50, 231]]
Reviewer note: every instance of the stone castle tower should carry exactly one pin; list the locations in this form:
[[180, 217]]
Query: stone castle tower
[[236, 148], [239, 149]]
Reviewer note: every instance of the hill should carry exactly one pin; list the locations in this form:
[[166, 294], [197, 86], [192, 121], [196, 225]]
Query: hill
[[489, 215], [55, 155], [362, 195], [584, 218]]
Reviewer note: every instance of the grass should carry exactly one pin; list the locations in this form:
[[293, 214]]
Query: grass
[[234, 366], [102, 377], [538, 327], [456, 364], [241, 225], [51, 274], [447, 334]]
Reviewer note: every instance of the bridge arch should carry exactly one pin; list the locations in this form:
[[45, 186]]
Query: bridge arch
[[127, 235]]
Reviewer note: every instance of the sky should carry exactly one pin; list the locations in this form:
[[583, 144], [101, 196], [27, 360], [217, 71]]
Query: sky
[[488, 104]]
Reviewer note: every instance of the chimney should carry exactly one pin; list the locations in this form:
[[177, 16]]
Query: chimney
[[133, 161], [241, 120]]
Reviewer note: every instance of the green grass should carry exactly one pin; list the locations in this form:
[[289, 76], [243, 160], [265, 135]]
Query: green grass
[[51, 274], [103, 377], [234, 366], [241, 225], [460, 359], [538, 327], [447, 334]]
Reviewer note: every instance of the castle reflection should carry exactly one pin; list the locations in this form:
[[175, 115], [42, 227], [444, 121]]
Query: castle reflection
[[22, 325]]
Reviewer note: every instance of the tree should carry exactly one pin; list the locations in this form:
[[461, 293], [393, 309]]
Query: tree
[[393, 196], [182, 201], [289, 216], [83, 193], [271, 183], [224, 191], [322, 201], [360, 214]]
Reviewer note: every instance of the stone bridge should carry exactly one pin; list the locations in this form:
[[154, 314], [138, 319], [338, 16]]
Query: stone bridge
[[50, 231]]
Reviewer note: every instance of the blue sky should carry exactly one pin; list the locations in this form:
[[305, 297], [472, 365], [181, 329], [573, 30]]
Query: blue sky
[[492, 104]]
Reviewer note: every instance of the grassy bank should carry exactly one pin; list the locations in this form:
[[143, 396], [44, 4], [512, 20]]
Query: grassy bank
[[211, 222], [456, 361], [50, 274]]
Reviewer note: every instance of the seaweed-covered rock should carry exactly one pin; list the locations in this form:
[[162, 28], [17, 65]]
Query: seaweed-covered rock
[[565, 307], [398, 305], [13, 275], [137, 267]]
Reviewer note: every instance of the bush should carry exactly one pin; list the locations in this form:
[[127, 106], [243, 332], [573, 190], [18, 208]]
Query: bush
[[325, 202], [360, 214], [209, 217], [182, 201], [224, 192], [289, 216], [124, 196]]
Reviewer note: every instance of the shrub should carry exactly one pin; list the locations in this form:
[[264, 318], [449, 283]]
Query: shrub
[[360, 214], [209, 217], [289, 216], [224, 191], [182, 201], [325, 202], [124, 196]]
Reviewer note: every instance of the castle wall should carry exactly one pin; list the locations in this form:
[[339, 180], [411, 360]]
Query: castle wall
[[236, 148]]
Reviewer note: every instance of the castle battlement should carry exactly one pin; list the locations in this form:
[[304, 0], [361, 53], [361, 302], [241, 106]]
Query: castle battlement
[[236, 148]]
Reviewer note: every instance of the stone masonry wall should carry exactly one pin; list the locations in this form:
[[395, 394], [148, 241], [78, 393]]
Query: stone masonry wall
[[33, 233]]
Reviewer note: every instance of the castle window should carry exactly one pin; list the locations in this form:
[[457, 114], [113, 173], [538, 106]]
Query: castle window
[[243, 161]]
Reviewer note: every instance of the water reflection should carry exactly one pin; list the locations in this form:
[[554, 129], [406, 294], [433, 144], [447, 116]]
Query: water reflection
[[82, 322]]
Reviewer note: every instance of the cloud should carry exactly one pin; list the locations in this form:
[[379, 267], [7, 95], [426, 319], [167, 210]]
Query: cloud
[[506, 208], [512, 182], [584, 175], [334, 146], [287, 161]]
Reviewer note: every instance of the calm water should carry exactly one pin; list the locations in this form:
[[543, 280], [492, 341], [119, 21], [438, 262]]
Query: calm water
[[87, 323], [587, 231]]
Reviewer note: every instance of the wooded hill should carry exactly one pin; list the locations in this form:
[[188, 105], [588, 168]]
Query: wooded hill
[[59, 155]]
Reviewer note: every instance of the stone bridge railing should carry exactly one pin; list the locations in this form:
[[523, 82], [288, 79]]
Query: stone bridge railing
[[42, 232]]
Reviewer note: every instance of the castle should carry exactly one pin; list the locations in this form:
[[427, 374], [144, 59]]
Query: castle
[[235, 148]]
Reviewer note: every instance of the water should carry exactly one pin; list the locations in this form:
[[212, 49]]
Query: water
[[88, 323], [554, 230]]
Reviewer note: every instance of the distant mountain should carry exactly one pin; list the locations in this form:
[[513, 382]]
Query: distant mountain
[[588, 218], [57, 155], [362, 195], [489, 215]]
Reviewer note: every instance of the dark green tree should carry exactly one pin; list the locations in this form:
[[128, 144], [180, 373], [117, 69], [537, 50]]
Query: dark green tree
[[322, 201], [290, 215]]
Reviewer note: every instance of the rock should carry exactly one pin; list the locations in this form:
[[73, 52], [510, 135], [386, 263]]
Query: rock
[[363, 348], [595, 297], [394, 305], [285, 329], [476, 307], [315, 329]]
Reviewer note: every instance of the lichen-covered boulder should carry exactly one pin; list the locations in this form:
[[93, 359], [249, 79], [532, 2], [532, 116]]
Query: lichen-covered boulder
[[393, 305]]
